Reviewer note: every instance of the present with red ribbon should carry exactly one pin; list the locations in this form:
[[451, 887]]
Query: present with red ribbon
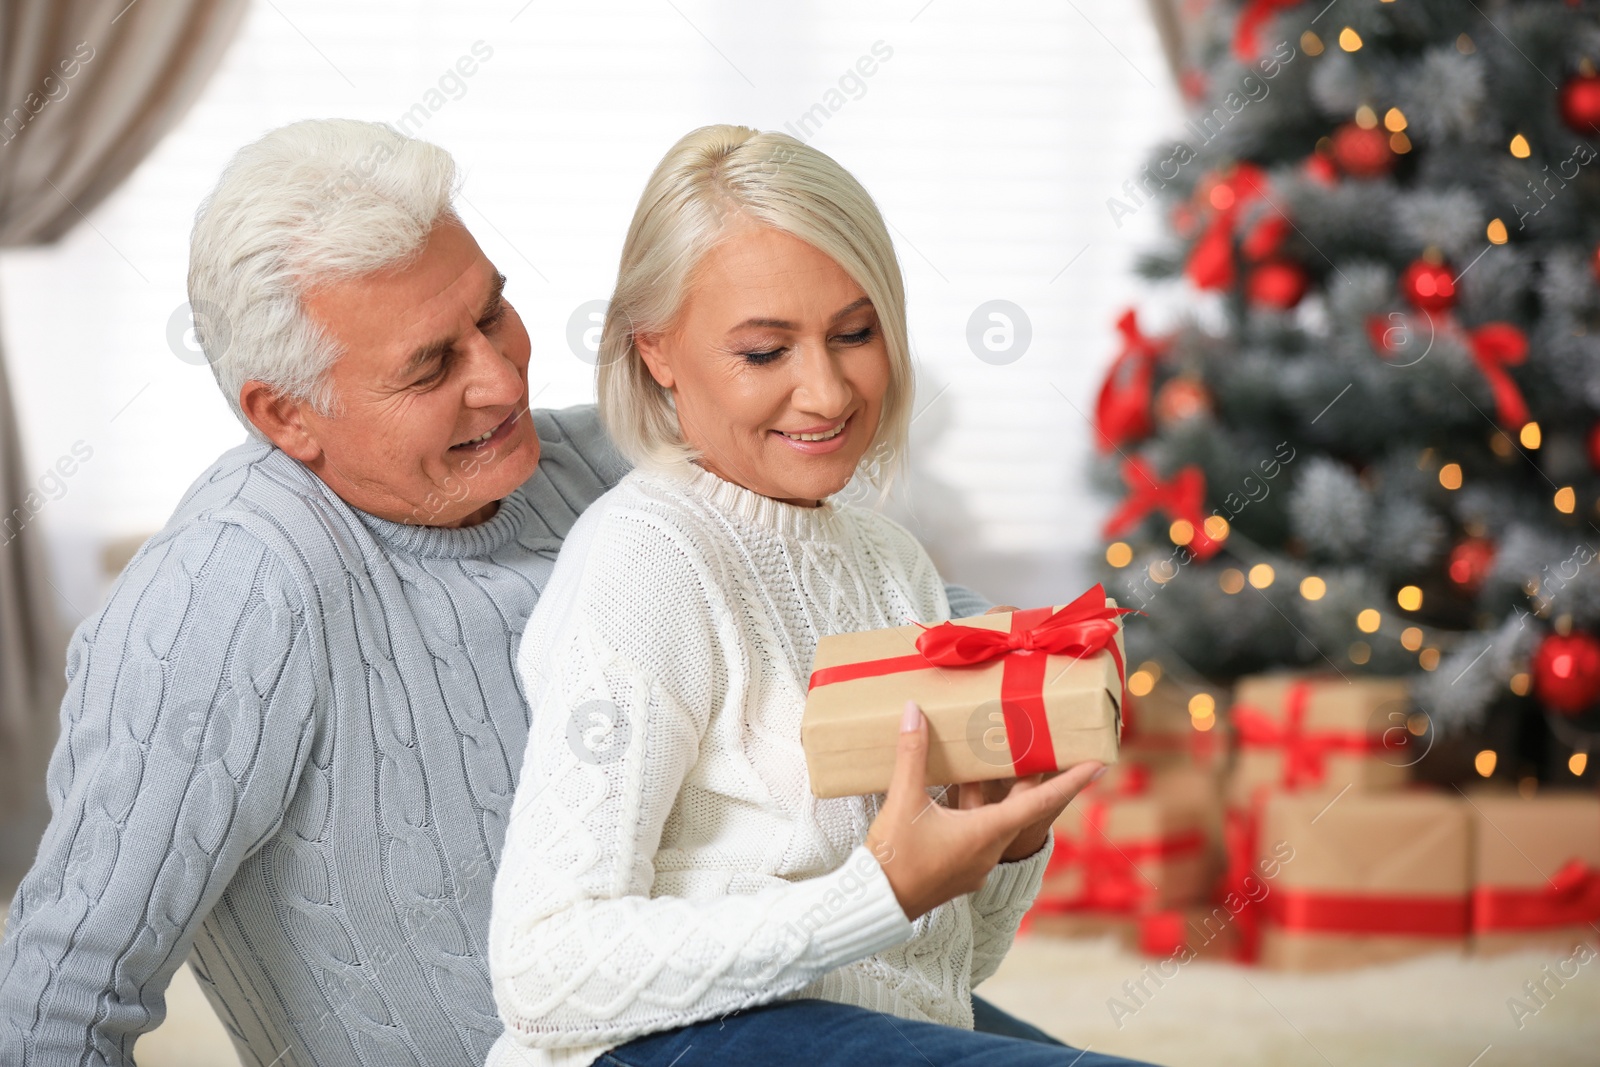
[[1133, 850], [1318, 733], [1536, 871], [1005, 695], [1159, 730], [1362, 878]]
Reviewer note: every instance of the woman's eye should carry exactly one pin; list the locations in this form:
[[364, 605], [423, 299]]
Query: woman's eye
[[860, 337], [759, 358]]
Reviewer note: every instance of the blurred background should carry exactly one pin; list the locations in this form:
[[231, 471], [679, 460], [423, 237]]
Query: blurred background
[[1279, 318]]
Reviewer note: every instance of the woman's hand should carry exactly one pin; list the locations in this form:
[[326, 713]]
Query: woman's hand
[[932, 853], [1030, 838]]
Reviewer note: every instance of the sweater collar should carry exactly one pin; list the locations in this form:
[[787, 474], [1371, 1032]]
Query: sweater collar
[[752, 510], [442, 542]]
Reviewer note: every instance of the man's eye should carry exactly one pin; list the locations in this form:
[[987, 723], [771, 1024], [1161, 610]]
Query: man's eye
[[490, 321]]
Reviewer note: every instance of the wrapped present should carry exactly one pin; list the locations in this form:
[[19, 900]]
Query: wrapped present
[[1535, 871], [1362, 878], [1133, 850], [1298, 732], [1005, 695], [1158, 729]]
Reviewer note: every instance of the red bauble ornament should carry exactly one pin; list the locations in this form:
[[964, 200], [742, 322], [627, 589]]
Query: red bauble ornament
[[1580, 104], [1181, 399], [1566, 672], [1428, 285], [1470, 562], [1277, 283], [1362, 153], [1594, 263]]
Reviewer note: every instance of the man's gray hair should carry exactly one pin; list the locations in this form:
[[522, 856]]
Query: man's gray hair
[[310, 203]]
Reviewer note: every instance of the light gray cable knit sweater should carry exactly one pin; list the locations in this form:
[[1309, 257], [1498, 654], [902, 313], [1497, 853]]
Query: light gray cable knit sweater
[[289, 745]]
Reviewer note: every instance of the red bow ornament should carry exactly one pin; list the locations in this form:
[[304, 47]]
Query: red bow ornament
[[1182, 496], [1122, 410]]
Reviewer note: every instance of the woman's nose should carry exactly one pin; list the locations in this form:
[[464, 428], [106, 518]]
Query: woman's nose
[[822, 387]]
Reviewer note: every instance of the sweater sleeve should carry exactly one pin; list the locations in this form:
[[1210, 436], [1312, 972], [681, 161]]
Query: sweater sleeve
[[624, 664], [998, 907], [964, 603], [185, 724]]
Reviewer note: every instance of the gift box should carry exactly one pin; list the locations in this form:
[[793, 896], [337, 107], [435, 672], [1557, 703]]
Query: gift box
[[1005, 695], [1362, 878], [1158, 729], [1310, 733], [1136, 849], [1535, 871]]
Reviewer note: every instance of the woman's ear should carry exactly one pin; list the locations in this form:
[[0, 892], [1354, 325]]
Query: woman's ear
[[653, 351], [281, 419]]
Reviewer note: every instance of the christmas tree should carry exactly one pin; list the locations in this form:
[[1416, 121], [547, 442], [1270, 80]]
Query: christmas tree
[[1370, 441]]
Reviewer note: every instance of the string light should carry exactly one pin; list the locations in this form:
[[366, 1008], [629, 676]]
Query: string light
[[1181, 532], [1566, 500], [1411, 638], [1409, 598], [1310, 44], [1578, 762], [1465, 46], [1484, 762], [1368, 621], [1231, 580], [1202, 705], [1428, 659], [1366, 118], [1152, 668], [1450, 476], [1360, 652], [1118, 554], [1261, 575], [1394, 120], [1519, 147], [1497, 232], [1216, 528], [1349, 39], [1530, 436], [1399, 144], [1519, 684], [1140, 683], [1313, 588]]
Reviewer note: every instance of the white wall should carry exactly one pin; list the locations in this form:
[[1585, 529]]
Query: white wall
[[991, 136]]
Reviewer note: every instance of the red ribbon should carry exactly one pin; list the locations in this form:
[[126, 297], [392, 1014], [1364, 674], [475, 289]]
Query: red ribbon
[[1245, 31], [1111, 878], [1304, 752], [1122, 410], [1572, 898], [1240, 830], [1211, 260], [1182, 496], [1495, 346], [1405, 915], [1083, 628]]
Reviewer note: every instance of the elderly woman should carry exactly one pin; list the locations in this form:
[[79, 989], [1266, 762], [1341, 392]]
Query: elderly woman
[[666, 868]]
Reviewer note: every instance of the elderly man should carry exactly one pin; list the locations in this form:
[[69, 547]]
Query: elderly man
[[292, 733]]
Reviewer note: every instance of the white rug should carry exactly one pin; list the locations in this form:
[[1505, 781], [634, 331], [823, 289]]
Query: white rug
[[1441, 1010]]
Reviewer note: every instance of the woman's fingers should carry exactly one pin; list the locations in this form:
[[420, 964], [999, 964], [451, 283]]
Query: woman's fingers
[[1037, 799], [911, 757]]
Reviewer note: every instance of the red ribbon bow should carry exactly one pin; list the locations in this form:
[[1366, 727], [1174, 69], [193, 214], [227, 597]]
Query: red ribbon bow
[[1122, 409], [1083, 628], [1572, 898], [1495, 346], [1182, 496], [1251, 19], [1304, 752]]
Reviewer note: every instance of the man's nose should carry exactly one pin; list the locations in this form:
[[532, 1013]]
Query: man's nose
[[493, 377]]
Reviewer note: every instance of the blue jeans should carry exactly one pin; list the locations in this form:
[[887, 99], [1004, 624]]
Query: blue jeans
[[820, 1033]]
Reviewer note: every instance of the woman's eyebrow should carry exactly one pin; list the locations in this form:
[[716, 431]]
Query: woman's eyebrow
[[785, 324]]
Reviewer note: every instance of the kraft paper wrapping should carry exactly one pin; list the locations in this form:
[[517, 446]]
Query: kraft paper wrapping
[[850, 730], [1159, 731], [1175, 807], [1376, 707], [1523, 846], [1412, 849]]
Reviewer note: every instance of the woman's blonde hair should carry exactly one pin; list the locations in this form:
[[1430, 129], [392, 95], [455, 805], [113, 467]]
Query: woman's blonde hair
[[711, 179]]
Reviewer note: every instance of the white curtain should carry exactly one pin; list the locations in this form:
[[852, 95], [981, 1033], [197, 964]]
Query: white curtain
[[87, 88]]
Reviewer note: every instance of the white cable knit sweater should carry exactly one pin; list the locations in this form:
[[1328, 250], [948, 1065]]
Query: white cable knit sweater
[[665, 862]]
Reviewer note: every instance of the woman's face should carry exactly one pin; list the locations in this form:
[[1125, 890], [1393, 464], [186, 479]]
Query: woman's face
[[777, 366]]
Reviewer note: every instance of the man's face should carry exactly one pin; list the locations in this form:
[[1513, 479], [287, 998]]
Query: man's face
[[430, 422]]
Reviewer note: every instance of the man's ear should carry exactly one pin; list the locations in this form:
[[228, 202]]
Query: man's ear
[[281, 419], [655, 359]]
